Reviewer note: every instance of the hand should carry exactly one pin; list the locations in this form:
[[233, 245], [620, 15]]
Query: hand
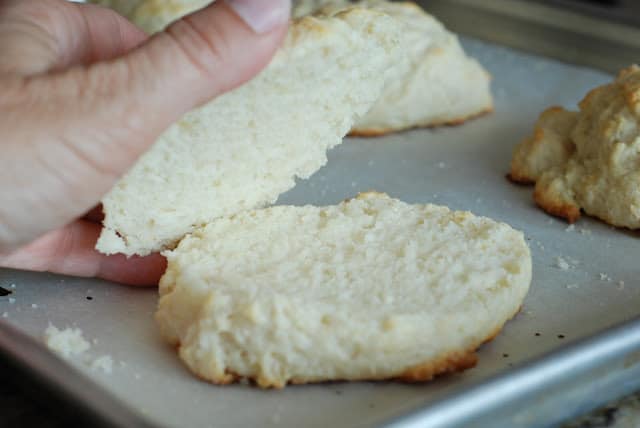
[[83, 93]]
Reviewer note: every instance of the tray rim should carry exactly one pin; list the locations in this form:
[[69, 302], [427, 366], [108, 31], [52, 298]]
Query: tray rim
[[574, 367]]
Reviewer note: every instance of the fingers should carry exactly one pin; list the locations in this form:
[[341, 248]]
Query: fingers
[[70, 251], [45, 35]]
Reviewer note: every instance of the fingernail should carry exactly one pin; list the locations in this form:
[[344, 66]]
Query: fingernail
[[262, 15]]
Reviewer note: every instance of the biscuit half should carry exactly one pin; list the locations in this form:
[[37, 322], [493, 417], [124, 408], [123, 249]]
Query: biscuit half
[[370, 289]]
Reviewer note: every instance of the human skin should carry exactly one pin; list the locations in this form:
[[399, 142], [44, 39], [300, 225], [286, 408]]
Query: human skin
[[83, 93]]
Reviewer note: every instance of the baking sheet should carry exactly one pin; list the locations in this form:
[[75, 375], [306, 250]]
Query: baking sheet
[[462, 167]]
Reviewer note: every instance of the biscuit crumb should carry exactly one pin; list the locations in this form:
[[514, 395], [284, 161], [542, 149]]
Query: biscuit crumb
[[12, 300], [605, 277], [68, 342], [572, 286], [103, 363], [570, 228], [563, 264], [620, 285], [34, 306]]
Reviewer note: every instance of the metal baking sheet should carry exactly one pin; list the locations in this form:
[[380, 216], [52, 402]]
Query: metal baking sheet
[[462, 167]]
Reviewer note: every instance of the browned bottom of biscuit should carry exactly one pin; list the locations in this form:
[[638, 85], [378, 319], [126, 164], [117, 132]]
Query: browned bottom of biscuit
[[570, 213], [452, 363], [515, 178], [379, 132]]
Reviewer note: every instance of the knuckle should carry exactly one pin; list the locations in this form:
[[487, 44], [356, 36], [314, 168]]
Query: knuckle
[[203, 48]]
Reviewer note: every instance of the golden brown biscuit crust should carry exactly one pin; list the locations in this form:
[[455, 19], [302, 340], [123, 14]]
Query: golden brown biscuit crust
[[555, 206], [380, 132]]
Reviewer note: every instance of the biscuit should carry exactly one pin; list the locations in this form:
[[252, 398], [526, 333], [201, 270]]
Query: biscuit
[[588, 160], [437, 83], [370, 289]]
